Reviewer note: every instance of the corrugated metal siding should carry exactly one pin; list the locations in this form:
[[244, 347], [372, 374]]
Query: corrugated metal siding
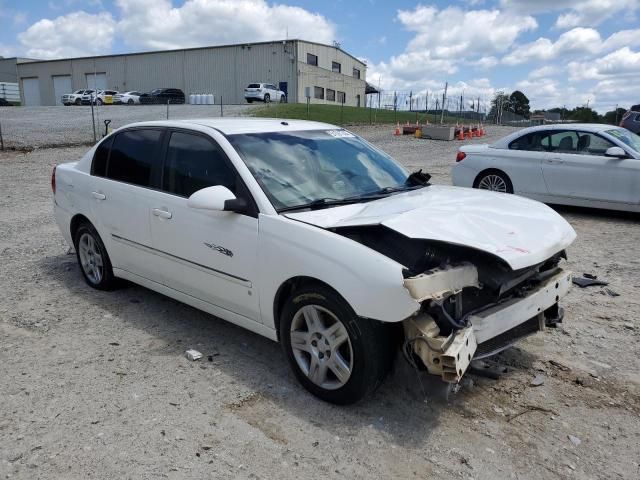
[[8, 70], [222, 71]]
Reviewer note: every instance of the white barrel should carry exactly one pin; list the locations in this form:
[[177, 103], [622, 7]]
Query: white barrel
[[210, 99], [198, 99], [192, 99]]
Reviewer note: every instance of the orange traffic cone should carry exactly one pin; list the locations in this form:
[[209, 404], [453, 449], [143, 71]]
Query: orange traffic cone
[[397, 131], [460, 132], [469, 132]]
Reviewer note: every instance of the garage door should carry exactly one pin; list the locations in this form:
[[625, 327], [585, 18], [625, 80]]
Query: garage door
[[97, 81], [61, 85], [31, 89]]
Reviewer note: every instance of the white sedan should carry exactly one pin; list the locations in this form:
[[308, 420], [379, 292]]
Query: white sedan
[[308, 235], [587, 165], [127, 98]]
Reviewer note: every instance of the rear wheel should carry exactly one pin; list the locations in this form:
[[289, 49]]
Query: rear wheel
[[130, 101], [93, 258], [495, 181], [337, 356], [267, 98], [249, 100], [99, 102]]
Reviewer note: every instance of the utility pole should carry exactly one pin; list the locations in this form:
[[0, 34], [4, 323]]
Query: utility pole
[[616, 121], [444, 97]]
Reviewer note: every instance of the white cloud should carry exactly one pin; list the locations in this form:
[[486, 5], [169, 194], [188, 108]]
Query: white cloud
[[546, 71], [577, 42], [576, 13], [72, 35], [158, 24], [485, 63]]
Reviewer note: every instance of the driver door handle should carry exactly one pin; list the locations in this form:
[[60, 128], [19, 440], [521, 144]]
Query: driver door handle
[[554, 161], [162, 213], [98, 195]]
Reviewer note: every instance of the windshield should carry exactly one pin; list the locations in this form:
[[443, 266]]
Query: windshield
[[627, 137], [297, 168]]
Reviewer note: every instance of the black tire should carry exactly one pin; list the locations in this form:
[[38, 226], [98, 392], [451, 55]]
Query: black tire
[[283, 99], [249, 100], [492, 176], [99, 102], [267, 98], [370, 352], [130, 102], [78, 101], [107, 281]]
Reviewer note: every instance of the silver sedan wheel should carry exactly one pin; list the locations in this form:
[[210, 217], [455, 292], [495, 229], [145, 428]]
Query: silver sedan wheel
[[495, 183], [321, 347], [90, 258]]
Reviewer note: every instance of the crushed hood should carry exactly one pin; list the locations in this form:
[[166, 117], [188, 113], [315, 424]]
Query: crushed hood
[[520, 231]]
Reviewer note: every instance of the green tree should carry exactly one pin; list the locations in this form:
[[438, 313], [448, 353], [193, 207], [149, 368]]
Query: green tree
[[613, 116], [519, 103]]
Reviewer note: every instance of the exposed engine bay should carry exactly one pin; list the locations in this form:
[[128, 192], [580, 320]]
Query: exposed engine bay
[[472, 303]]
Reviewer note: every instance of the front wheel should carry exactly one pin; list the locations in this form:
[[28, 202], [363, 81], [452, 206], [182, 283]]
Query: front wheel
[[337, 356], [130, 101], [78, 101], [93, 258], [99, 102], [267, 98], [495, 181]]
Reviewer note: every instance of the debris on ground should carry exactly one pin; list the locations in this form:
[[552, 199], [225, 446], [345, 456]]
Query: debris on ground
[[537, 381], [575, 440], [583, 282], [611, 293], [193, 355]]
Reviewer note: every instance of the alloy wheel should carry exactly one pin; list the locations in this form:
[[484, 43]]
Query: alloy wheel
[[90, 258], [493, 182], [321, 347]]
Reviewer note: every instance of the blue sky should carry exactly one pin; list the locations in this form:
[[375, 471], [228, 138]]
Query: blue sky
[[556, 51]]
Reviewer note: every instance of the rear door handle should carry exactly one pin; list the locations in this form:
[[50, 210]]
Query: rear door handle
[[162, 213], [99, 196]]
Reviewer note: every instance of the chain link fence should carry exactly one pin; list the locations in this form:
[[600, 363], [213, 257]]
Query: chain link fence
[[25, 128]]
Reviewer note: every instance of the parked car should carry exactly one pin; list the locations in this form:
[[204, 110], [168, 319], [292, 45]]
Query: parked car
[[99, 98], [264, 92], [75, 98], [586, 165], [306, 234], [631, 119], [162, 96], [128, 98]]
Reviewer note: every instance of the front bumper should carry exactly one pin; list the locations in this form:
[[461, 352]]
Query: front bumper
[[489, 331]]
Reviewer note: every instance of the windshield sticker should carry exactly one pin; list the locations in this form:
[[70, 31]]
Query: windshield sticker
[[340, 134]]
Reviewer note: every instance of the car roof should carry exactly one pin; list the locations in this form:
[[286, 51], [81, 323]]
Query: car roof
[[231, 126], [582, 127]]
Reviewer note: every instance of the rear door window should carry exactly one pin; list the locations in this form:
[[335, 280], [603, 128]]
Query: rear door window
[[194, 162], [531, 142], [135, 157]]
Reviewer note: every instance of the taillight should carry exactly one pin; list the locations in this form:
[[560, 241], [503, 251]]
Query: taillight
[[53, 180], [460, 156]]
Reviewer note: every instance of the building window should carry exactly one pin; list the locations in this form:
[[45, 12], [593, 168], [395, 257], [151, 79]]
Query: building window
[[312, 59], [356, 73], [331, 95], [342, 98], [336, 67], [318, 92]]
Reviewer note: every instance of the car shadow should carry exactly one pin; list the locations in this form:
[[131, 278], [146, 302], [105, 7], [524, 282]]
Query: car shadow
[[407, 407], [596, 213]]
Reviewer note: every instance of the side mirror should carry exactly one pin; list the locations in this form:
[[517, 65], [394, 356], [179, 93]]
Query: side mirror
[[217, 198], [616, 152]]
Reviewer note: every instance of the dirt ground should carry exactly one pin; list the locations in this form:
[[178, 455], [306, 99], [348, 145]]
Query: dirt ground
[[96, 385]]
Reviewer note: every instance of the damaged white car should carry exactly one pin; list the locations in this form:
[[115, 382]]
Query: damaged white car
[[306, 234]]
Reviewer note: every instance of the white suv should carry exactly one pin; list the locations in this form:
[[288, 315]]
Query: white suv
[[75, 98], [264, 92], [308, 235]]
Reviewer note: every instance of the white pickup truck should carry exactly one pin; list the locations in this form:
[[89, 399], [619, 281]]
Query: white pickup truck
[[308, 235]]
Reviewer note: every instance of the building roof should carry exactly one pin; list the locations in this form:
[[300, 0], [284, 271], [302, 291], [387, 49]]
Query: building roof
[[151, 52]]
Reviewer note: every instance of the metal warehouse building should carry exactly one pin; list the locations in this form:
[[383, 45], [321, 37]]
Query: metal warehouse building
[[331, 74]]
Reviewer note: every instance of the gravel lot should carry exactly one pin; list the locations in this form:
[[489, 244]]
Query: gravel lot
[[29, 127], [96, 385]]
